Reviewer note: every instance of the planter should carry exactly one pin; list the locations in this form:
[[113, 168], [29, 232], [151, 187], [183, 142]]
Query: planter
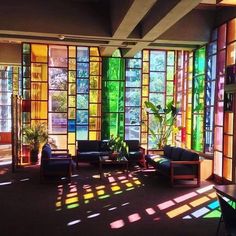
[[34, 156]]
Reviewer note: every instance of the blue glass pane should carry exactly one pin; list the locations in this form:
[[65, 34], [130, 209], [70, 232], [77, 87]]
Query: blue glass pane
[[132, 115], [133, 97], [157, 99], [133, 78], [82, 101], [132, 132], [82, 117], [157, 82], [210, 93], [82, 85], [82, 54], [82, 133], [157, 60], [83, 70], [133, 63], [71, 125]]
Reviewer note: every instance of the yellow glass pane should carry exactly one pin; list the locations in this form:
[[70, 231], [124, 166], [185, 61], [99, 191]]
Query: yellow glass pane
[[94, 68], [231, 32], [145, 55], [39, 91], [93, 135], [94, 51], [39, 53], [72, 64], [188, 141], [95, 82], [39, 110], [144, 115], [72, 76], [227, 171], [145, 67], [94, 124], [71, 101], [93, 96], [188, 126], [72, 89], [71, 113], [71, 138], [72, 149], [94, 58], [228, 146], [144, 91], [72, 51], [39, 72], [145, 79], [93, 110], [144, 128], [228, 122], [144, 138]]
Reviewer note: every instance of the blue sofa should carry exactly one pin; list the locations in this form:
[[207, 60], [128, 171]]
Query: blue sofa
[[178, 164], [55, 162], [90, 150]]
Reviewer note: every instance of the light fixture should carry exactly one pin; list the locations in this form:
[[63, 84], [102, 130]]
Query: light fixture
[[226, 2], [61, 37]]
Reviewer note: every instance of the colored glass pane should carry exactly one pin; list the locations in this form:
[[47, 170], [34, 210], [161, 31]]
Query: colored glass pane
[[157, 60], [94, 51], [71, 127], [197, 134], [58, 78], [228, 123], [72, 89], [39, 110], [133, 78], [82, 133], [93, 110], [133, 97], [82, 86], [145, 67], [71, 113], [132, 115], [132, 132], [94, 124], [221, 37], [72, 64], [39, 91], [227, 171], [82, 117], [157, 82], [170, 73], [231, 54], [57, 56], [57, 123], [82, 54], [58, 101], [145, 55], [39, 53], [94, 96], [71, 101], [72, 51], [218, 142], [83, 70], [231, 32], [72, 149], [38, 72], [94, 82], [72, 76], [94, 68], [228, 146], [144, 91]]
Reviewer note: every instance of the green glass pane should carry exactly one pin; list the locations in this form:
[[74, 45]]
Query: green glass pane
[[26, 48], [170, 58], [169, 88], [198, 132], [170, 73]]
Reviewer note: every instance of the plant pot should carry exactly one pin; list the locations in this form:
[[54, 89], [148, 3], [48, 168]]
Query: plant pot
[[34, 156], [114, 155]]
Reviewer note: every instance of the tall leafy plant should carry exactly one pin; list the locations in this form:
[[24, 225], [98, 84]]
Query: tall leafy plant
[[118, 145], [164, 120]]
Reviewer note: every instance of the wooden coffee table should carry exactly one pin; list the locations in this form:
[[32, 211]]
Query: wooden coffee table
[[106, 160]]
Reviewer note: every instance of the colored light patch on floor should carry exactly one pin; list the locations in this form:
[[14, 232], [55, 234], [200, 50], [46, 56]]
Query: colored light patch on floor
[[200, 212], [199, 201], [134, 217], [115, 188], [117, 224], [213, 214], [165, 205], [5, 183], [93, 215], [137, 182], [129, 185], [71, 200], [73, 222], [71, 195], [104, 196], [178, 211], [58, 204], [88, 196], [205, 189], [214, 205], [100, 187], [212, 195], [118, 192], [100, 192], [111, 179], [185, 197], [71, 206], [150, 211]]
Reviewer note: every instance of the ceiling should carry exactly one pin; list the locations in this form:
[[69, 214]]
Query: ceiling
[[130, 26]]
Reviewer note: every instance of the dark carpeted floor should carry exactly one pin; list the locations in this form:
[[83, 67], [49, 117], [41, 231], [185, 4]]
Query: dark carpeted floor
[[143, 204]]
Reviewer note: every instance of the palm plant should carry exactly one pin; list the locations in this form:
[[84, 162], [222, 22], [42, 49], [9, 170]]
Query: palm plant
[[35, 136], [119, 146], [164, 120]]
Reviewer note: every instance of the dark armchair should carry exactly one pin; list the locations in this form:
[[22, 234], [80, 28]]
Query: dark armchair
[[56, 162]]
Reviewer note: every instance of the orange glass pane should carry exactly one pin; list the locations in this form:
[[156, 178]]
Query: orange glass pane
[[228, 146], [227, 171], [218, 163], [228, 122], [218, 138], [94, 68], [71, 138], [39, 91], [58, 56], [95, 59], [231, 32], [71, 113], [71, 101], [72, 64], [145, 55], [60, 140], [145, 67], [94, 51], [231, 54], [39, 53], [72, 51], [39, 72], [39, 110]]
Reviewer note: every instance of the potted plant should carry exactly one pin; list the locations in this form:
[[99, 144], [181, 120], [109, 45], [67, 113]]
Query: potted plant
[[35, 136], [118, 147], [164, 120]]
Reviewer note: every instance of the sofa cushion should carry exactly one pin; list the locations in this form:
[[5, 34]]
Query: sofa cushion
[[184, 169], [189, 156], [88, 146], [46, 152], [133, 145], [89, 156], [167, 151], [176, 153], [134, 156]]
